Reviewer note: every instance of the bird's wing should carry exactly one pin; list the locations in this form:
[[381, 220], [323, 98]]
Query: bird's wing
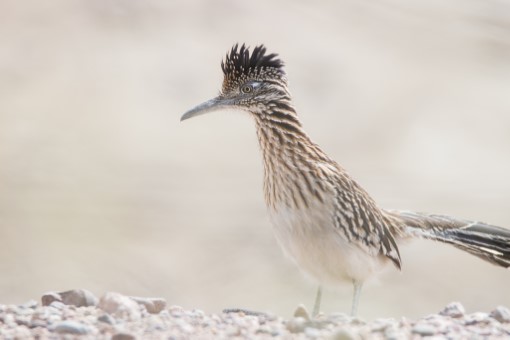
[[357, 217]]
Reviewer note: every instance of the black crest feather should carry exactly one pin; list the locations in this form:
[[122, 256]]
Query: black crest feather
[[239, 61]]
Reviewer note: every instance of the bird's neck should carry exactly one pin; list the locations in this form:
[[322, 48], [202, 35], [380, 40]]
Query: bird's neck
[[290, 158]]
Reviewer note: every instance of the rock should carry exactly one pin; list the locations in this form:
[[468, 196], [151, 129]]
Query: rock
[[312, 333], [23, 320], [343, 334], [32, 304], [49, 297], [106, 318], [502, 314], [232, 331], [454, 310], [176, 311], [476, 318], [186, 327], [357, 321], [123, 336], [296, 325], [379, 325], [198, 313], [120, 306], [57, 305], [79, 298], [71, 327], [9, 320], [153, 305], [424, 329], [37, 323], [391, 333], [75, 297], [302, 312]]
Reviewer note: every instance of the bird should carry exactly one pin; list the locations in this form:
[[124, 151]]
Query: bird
[[325, 221]]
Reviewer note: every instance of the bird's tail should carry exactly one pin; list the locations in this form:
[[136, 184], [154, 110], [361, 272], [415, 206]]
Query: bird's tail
[[488, 242]]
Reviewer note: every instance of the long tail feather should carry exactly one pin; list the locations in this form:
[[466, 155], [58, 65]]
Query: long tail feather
[[488, 242]]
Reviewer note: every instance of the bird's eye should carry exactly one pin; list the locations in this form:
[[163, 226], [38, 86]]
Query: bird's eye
[[246, 88]]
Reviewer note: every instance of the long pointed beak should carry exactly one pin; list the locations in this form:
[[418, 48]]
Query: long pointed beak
[[214, 104]]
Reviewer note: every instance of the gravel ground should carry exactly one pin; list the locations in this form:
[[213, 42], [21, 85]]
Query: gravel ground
[[79, 314]]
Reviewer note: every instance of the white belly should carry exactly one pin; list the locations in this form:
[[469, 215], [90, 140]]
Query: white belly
[[310, 239]]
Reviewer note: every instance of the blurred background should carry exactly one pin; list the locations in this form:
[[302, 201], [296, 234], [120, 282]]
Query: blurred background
[[101, 186]]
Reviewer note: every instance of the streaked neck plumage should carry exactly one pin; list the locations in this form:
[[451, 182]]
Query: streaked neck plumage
[[290, 157]]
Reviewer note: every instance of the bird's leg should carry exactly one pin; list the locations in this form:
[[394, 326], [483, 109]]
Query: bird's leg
[[355, 298], [317, 304]]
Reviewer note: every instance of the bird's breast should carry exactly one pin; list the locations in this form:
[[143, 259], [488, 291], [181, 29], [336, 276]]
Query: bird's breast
[[308, 236]]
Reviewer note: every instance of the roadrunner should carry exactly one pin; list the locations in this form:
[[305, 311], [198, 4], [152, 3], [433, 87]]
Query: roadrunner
[[323, 219]]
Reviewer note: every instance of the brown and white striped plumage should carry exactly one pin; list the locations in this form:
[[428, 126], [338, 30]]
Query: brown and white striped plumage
[[323, 219]]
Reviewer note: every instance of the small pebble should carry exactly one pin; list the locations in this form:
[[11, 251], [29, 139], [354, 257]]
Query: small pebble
[[302, 312], [9, 320], [54, 316], [75, 297], [476, 318], [71, 327], [358, 321], [32, 304], [454, 310], [424, 329], [263, 329], [152, 305], [312, 332], [391, 333], [502, 314], [106, 318], [379, 325], [296, 325], [233, 331], [123, 336], [57, 305], [176, 311], [120, 306], [343, 334], [23, 320], [79, 298], [187, 328], [49, 297], [198, 313], [37, 323]]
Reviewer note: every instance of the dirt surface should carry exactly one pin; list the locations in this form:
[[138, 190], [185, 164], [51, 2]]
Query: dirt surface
[[79, 314]]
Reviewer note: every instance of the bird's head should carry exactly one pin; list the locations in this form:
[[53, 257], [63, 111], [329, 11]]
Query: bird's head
[[253, 82]]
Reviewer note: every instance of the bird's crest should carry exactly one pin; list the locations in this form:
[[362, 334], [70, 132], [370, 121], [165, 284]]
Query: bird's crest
[[240, 62]]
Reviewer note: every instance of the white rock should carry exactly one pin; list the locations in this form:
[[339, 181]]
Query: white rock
[[71, 327], [454, 310], [312, 332], [78, 298], [75, 297], [120, 306], [424, 329], [502, 314], [343, 334], [153, 305], [302, 312], [296, 325]]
